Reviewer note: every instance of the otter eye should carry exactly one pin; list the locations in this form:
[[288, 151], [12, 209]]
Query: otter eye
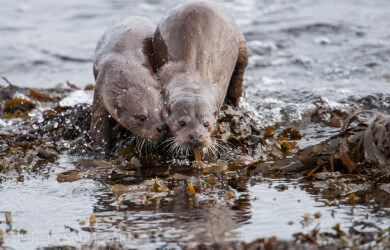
[[182, 123], [142, 118], [206, 124]]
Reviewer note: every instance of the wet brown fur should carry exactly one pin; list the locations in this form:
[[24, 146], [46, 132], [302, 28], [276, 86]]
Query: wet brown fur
[[201, 57], [126, 87]]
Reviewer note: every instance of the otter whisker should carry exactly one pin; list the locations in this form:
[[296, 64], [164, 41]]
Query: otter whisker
[[212, 149], [179, 149], [127, 139], [213, 152], [168, 143], [220, 142], [173, 147], [137, 143], [152, 145], [220, 146], [141, 145], [169, 140], [215, 147], [186, 150], [146, 147], [169, 146], [182, 149]]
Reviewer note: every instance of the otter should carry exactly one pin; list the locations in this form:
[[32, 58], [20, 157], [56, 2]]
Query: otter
[[201, 58], [127, 90]]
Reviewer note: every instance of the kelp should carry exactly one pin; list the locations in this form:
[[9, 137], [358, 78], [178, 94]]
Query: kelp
[[360, 147], [367, 143], [16, 106]]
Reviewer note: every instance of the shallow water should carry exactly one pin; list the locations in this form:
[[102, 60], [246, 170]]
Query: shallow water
[[51, 212], [282, 213], [300, 51]]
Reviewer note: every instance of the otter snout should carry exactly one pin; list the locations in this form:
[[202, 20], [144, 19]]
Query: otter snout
[[162, 129], [195, 137], [197, 140]]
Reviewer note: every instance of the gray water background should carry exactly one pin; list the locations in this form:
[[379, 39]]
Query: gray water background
[[300, 50]]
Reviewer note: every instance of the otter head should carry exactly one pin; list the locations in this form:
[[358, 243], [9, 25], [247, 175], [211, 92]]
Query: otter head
[[191, 120], [139, 111]]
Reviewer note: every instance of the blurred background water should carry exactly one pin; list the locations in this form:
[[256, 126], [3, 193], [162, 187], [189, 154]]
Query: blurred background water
[[299, 50]]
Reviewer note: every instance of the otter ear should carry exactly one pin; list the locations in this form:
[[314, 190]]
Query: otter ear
[[216, 113], [167, 110]]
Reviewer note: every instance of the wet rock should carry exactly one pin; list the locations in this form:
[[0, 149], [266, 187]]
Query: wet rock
[[328, 115], [47, 154], [59, 248], [326, 175], [25, 137]]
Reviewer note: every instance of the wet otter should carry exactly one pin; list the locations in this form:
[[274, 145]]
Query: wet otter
[[126, 87], [199, 50]]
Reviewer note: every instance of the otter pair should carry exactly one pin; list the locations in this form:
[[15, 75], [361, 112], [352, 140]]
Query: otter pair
[[177, 74]]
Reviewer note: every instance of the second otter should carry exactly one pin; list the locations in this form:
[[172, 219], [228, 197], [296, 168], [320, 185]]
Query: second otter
[[126, 87], [199, 50]]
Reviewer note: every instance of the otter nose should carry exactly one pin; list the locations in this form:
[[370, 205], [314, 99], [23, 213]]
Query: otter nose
[[162, 129], [195, 136]]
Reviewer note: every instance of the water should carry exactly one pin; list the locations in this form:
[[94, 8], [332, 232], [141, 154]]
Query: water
[[45, 207], [56, 212], [300, 51], [282, 213]]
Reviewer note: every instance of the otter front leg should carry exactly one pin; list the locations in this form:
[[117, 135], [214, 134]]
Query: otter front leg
[[236, 85], [101, 123]]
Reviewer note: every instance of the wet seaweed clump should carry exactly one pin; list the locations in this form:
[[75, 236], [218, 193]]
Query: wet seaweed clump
[[32, 140], [362, 148], [368, 143], [69, 126], [42, 137], [17, 107], [327, 115]]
